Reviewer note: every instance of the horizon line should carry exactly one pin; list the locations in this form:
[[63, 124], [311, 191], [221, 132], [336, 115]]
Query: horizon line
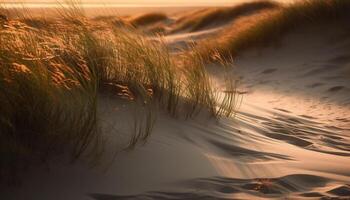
[[93, 4]]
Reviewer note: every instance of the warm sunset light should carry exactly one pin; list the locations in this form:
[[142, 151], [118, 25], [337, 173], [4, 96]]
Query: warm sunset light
[[147, 2], [142, 2], [174, 100]]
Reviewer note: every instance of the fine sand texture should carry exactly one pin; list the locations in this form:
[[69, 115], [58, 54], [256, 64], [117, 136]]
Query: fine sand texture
[[290, 137]]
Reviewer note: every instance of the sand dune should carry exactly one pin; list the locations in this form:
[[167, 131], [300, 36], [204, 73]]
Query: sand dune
[[224, 188], [213, 17], [290, 138], [272, 149], [201, 159]]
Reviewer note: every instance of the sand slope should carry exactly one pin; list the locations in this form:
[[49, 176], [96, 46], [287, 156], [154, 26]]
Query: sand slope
[[290, 138]]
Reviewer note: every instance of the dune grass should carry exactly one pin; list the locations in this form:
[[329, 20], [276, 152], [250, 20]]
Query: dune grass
[[48, 97], [214, 16], [51, 75], [270, 26]]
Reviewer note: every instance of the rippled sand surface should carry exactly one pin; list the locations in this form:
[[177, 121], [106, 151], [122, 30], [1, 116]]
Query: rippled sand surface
[[289, 139]]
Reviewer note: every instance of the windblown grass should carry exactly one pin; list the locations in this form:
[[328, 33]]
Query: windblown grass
[[270, 26], [214, 16], [48, 95], [51, 75], [201, 91]]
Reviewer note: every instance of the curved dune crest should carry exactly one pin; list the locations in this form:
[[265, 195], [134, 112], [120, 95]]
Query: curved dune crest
[[213, 17], [147, 19], [268, 27]]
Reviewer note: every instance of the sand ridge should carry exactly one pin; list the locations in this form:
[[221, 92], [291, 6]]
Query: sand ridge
[[290, 138]]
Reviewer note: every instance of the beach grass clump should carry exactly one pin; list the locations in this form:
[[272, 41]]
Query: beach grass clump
[[269, 26], [146, 68], [198, 85], [214, 16], [51, 76], [47, 103]]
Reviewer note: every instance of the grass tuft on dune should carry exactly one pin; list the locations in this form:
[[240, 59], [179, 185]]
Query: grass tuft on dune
[[53, 70], [269, 26]]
